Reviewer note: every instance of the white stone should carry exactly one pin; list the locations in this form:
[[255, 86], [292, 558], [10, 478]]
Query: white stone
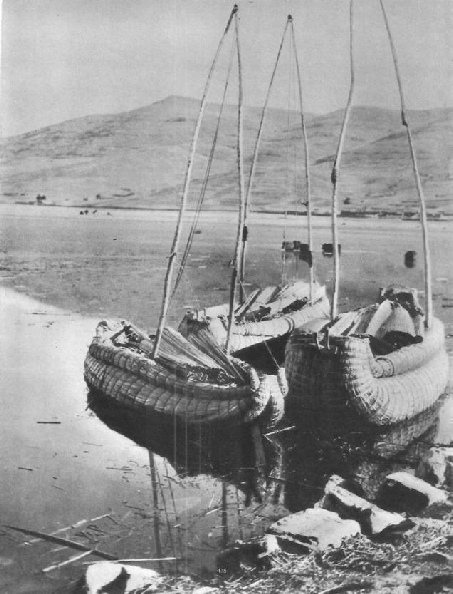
[[412, 483], [100, 575], [372, 519], [318, 527]]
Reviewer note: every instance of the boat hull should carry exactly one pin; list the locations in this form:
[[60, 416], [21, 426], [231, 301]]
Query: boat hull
[[344, 384], [132, 378]]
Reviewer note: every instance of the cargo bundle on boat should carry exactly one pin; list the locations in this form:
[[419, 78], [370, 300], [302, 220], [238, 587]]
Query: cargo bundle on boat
[[378, 365]]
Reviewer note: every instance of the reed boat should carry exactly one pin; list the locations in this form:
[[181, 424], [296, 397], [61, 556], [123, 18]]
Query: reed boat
[[163, 373], [183, 382], [258, 328], [264, 321], [379, 365]]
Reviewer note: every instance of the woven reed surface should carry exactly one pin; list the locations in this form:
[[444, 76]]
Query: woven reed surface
[[247, 334], [314, 391], [388, 400], [412, 356], [131, 390], [171, 384], [327, 379]]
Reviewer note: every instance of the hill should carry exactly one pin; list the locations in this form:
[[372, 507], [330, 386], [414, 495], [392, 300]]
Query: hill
[[138, 158]]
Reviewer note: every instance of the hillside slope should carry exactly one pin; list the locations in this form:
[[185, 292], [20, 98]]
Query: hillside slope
[[138, 158]]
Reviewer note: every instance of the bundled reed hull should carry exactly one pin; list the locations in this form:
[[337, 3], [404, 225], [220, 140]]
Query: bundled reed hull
[[345, 380], [183, 382], [269, 315]]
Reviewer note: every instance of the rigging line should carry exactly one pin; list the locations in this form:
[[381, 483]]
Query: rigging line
[[241, 191], [174, 247], [287, 180], [193, 292], [239, 517], [307, 203], [205, 181], [336, 167], [156, 515], [254, 163], [167, 519], [423, 217], [269, 350], [283, 279], [175, 511]]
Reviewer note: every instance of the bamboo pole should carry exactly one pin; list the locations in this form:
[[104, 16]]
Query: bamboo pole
[[253, 166], [306, 164], [336, 168], [240, 164], [423, 217], [187, 179]]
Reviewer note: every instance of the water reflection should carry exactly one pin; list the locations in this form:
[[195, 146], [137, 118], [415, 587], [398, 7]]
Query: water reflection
[[362, 457], [208, 485], [220, 450], [249, 479]]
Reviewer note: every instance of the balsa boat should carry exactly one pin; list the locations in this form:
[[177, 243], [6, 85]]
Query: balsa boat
[[260, 325], [194, 385], [163, 373], [263, 323], [357, 364], [379, 365]]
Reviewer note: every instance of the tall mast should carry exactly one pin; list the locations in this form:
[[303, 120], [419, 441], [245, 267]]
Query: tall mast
[[240, 163], [336, 168], [423, 218], [187, 179], [307, 164], [253, 168]]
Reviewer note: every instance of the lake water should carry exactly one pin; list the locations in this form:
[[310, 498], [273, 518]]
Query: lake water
[[100, 476]]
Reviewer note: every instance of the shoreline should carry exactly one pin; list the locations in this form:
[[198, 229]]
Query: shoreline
[[261, 218]]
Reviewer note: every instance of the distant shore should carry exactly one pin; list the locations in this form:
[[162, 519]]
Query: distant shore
[[438, 216], [278, 219]]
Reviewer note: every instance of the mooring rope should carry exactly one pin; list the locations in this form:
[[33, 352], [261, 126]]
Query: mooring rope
[[174, 247], [336, 167], [423, 217]]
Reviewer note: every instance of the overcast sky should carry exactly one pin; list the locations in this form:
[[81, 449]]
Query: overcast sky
[[63, 59]]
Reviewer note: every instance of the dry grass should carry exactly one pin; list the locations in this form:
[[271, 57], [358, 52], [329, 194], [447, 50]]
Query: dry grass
[[358, 565]]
